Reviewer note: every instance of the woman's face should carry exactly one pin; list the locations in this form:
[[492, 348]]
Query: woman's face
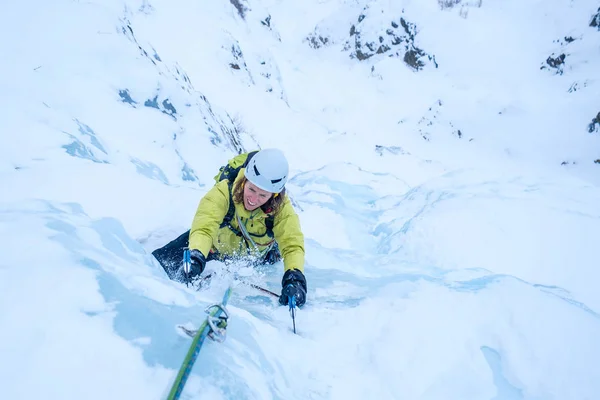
[[254, 197]]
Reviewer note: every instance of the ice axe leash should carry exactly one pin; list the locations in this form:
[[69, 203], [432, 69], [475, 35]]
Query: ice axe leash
[[261, 289]]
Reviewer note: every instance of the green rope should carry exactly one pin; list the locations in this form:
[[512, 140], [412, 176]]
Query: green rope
[[194, 350]]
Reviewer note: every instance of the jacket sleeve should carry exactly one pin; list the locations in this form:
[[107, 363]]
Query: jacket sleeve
[[289, 236], [209, 215]]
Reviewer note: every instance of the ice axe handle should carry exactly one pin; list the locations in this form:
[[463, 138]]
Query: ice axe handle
[[292, 304], [187, 265]]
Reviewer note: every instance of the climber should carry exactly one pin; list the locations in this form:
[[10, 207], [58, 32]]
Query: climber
[[246, 214]]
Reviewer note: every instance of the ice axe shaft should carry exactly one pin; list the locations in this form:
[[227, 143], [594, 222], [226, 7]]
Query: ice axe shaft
[[187, 265], [292, 304]]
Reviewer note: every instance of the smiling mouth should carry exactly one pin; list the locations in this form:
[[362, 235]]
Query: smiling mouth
[[251, 203]]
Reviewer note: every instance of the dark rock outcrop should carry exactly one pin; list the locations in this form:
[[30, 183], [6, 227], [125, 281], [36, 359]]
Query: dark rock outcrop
[[397, 40], [595, 22]]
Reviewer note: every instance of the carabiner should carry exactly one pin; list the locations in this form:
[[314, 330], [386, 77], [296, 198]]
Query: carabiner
[[217, 324]]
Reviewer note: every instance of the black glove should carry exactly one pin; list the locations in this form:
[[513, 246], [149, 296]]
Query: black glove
[[198, 262], [293, 284]]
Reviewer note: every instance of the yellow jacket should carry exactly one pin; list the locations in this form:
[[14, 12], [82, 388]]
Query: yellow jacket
[[206, 233]]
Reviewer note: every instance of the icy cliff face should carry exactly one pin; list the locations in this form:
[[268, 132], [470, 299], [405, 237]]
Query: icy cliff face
[[445, 162]]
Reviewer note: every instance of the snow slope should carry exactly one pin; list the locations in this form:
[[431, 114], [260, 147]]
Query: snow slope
[[442, 164]]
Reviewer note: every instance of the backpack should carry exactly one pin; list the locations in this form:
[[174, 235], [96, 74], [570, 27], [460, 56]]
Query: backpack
[[230, 172]]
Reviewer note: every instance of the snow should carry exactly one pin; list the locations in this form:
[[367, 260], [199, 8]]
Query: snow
[[440, 265]]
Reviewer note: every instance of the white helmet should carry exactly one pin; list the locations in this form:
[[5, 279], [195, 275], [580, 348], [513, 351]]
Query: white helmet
[[268, 170]]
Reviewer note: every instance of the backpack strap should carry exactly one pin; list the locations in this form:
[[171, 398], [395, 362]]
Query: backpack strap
[[269, 222], [230, 213]]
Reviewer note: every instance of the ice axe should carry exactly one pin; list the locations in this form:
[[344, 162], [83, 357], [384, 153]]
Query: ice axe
[[187, 265], [292, 304]]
